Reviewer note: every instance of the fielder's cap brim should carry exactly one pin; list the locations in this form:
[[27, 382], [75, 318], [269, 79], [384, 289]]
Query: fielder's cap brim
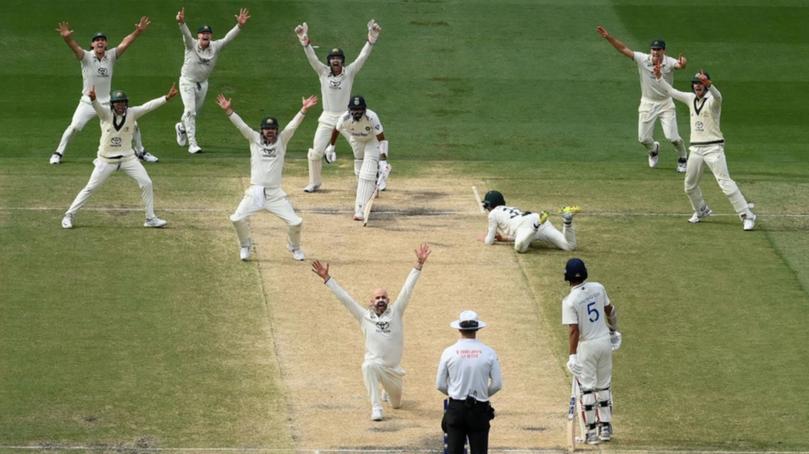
[[658, 44], [98, 35], [205, 29]]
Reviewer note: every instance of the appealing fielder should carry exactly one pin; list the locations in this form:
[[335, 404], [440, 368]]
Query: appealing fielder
[[199, 60], [383, 328], [267, 151], [336, 81], [654, 103], [707, 148], [367, 138], [592, 336], [96, 71], [508, 223], [118, 124]]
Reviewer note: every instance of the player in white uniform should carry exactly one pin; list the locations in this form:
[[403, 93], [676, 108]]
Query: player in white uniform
[[367, 139], [336, 81], [267, 151], [508, 223], [592, 334], [96, 71], [707, 149], [199, 60], [654, 103], [383, 328], [115, 151]]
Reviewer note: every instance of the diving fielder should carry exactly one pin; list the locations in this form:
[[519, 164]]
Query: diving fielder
[[115, 151], [267, 151], [383, 328], [509, 223], [592, 336], [654, 103], [707, 149], [199, 60], [336, 81], [367, 139], [96, 71]]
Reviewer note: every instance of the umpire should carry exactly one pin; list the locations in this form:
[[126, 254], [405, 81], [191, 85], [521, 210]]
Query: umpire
[[469, 373]]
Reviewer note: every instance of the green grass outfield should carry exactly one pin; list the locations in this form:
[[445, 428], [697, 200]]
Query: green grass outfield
[[114, 335]]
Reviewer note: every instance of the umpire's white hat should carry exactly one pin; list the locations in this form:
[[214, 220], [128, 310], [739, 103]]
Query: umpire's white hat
[[468, 321]]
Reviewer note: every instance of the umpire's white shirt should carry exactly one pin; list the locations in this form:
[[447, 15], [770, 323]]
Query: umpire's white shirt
[[198, 62], [336, 89], [384, 334], [506, 221], [117, 131], [97, 72], [584, 306], [649, 90], [365, 130], [266, 159], [705, 113], [469, 368]]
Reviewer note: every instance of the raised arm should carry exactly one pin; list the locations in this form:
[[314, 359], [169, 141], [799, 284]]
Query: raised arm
[[618, 45], [67, 35], [353, 307], [290, 128], [139, 111], [710, 87], [422, 253], [667, 88], [188, 39], [140, 27], [103, 113], [227, 106], [241, 19], [681, 62]]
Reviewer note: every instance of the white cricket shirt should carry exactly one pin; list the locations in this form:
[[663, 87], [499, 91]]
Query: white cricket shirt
[[117, 131], [705, 113], [469, 368], [335, 90], [384, 334], [649, 90], [198, 62], [97, 72], [584, 306], [505, 221], [365, 130], [266, 159]]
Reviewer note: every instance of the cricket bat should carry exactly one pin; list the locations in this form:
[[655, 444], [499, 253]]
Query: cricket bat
[[366, 212], [571, 416]]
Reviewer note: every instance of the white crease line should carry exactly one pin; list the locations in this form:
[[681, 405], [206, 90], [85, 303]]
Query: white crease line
[[478, 199]]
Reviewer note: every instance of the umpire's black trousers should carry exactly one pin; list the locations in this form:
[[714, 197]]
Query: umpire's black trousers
[[467, 418]]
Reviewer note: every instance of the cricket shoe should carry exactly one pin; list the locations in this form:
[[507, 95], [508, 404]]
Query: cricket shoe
[[376, 414], [182, 138], [654, 155], [358, 217], [56, 159], [605, 432], [700, 214], [148, 157], [592, 437], [244, 251], [297, 253], [67, 221], [155, 222], [568, 212], [681, 165], [311, 188], [194, 148], [748, 221]]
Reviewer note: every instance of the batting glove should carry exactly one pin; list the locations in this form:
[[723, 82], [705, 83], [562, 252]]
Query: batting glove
[[373, 31], [302, 31], [573, 366], [615, 340], [331, 154]]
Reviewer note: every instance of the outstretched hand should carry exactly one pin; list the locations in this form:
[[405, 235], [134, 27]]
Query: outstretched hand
[[373, 31], [321, 270], [224, 103], [243, 16], [422, 253], [172, 92], [64, 30], [181, 16], [308, 102], [302, 31], [704, 78], [602, 31], [142, 24], [682, 61]]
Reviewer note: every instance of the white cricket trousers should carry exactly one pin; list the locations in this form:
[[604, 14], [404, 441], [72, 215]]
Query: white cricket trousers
[[258, 198], [595, 357], [83, 114], [648, 113], [530, 230], [390, 379], [193, 96], [712, 156], [366, 182], [103, 169], [325, 125]]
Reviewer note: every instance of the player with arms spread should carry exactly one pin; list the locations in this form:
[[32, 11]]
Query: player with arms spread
[[96, 72], [336, 82], [198, 63], [592, 336], [267, 151], [654, 103]]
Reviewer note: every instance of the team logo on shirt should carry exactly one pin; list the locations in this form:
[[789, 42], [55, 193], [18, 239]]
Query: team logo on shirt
[[115, 142], [103, 72], [335, 84], [367, 128], [699, 126], [269, 152], [383, 327]]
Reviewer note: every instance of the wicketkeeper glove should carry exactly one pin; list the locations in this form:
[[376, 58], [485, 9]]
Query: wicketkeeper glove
[[302, 31], [573, 366], [373, 31], [331, 154]]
